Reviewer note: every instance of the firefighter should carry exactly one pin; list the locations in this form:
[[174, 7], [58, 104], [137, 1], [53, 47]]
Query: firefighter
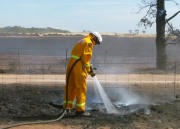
[[76, 77]]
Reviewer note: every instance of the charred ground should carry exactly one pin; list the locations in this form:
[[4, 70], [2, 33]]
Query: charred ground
[[20, 103]]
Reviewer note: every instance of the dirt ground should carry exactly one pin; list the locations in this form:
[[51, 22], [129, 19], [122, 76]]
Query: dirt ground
[[22, 103]]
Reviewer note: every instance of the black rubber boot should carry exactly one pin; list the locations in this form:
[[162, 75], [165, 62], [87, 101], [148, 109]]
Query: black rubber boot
[[83, 113]]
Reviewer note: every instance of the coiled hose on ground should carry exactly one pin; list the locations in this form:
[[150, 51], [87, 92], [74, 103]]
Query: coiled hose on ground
[[53, 120]]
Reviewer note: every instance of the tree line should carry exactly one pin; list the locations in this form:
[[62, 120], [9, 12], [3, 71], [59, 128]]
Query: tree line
[[23, 30]]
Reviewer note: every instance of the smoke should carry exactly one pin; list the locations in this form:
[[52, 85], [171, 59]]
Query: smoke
[[129, 101], [126, 101], [129, 97]]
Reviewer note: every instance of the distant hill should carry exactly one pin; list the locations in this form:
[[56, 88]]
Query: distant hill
[[32, 30], [22, 31]]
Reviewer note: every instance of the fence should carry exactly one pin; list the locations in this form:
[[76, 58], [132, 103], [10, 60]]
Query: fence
[[116, 74]]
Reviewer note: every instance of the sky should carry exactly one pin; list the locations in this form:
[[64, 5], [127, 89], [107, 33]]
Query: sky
[[116, 16]]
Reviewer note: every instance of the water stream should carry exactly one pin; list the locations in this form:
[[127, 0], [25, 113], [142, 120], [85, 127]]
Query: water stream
[[110, 108]]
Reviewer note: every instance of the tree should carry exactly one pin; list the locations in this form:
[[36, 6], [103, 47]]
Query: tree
[[130, 31], [143, 31], [136, 31], [161, 57], [156, 10]]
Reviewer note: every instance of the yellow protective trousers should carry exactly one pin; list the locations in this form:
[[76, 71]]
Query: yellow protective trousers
[[76, 85]]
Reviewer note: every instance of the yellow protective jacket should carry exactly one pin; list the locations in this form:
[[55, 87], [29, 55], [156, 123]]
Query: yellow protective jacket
[[76, 82], [84, 49]]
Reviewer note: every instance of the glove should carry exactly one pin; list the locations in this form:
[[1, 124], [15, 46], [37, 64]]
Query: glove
[[91, 72]]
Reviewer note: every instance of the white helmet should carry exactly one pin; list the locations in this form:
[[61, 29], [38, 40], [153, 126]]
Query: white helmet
[[98, 36]]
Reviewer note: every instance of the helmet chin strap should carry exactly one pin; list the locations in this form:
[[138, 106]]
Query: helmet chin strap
[[96, 41], [94, 38]]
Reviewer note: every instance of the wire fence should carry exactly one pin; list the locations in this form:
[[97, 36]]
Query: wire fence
[[116, 74]]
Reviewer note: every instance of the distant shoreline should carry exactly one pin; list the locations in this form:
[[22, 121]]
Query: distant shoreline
[[75, 35]]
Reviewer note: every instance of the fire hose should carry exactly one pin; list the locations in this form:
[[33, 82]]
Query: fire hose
[[60, 116]]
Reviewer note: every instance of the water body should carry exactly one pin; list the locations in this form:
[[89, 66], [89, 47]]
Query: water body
[[111, 46]]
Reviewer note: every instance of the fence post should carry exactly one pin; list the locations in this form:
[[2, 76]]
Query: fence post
[[66, 58], [19, 59], [105, 55], [174, 80]]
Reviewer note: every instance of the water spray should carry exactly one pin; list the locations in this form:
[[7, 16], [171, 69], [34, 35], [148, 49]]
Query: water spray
[[110, 108]]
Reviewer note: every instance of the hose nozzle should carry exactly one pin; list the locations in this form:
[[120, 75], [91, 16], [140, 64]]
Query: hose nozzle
[[92, 71]]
